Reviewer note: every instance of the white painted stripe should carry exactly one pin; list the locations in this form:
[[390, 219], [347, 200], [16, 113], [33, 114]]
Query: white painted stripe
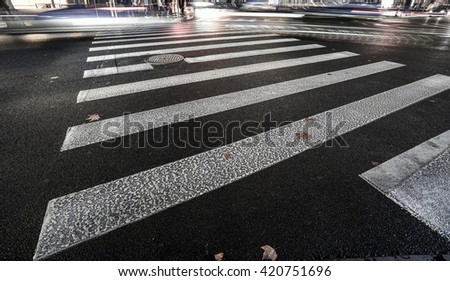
[[116, 70], [148, 38], [133, 35], [83, 215], [130, 33], [167, 31], [147, 34], [252, 53], [392, 172], [152, 44], [414, 181], [189, 49], [86, 134], [160, 28], [153, 84]]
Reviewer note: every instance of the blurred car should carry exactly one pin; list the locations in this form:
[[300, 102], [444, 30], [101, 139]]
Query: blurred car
[[441, 9], [201, 4], [257, 7]]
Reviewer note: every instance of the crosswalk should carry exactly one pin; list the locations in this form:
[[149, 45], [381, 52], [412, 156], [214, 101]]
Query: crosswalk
[[84, 215]]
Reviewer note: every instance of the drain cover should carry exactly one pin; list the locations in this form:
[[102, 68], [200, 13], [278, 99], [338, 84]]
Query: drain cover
[[165, 59]]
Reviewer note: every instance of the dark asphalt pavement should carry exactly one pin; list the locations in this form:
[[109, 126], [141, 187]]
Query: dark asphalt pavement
[[311, 206]]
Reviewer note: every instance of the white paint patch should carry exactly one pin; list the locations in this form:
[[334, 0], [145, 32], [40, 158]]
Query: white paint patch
[[136, 35], [116, 70], [190, 49], [252, 53], [153, 84], [156, 29], [165, 43], [148, 38], [83, 215], [419, 181]]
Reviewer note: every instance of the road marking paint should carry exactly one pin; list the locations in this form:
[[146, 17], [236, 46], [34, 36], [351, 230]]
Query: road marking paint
[[189, 49], [159, 83], [105, 35], [83, 215], [90, 133], [137, 35], [418, 180], [148, 38], [252, 53], [116, 70], [157, 29], [153, 44]]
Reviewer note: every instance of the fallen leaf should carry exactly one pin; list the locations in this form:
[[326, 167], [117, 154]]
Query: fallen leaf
[[309, 119], [374, 163], [93, 117], [218, 257], [303, 136], [269, 253], [227, 155]]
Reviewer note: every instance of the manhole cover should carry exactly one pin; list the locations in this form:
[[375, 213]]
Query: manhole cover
[[164, 59]]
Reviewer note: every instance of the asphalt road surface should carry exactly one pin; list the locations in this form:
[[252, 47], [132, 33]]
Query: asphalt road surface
[[107, 155]]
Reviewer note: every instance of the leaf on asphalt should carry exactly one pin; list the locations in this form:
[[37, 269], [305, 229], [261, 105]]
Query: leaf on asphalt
[[269, 253], [93, 117], [303, 136], [374, 163], [227, 156], [218, 257], [309, 119]]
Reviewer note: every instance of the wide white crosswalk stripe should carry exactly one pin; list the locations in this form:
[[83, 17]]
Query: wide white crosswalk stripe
[[418, 180], [136, 35], [158, 28], [156, 33], [148, 38], [152, 84], [85, 134], [191, 48], [153, 44], [84, 215], [116, 70], [134, 32], [244, 54]]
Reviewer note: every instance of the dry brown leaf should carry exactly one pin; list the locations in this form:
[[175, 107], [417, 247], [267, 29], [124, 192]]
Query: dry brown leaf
[[309, 119], [303, 136], [227, 155], [218, 257], [93, 117], [269, 253], [374, 163]]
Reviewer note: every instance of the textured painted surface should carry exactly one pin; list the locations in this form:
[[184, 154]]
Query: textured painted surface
[[83, 215], [85, 134], [419, 181], [391, 173], [116, 70]]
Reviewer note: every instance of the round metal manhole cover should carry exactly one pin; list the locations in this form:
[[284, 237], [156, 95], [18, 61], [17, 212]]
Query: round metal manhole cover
[[165, 59]]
